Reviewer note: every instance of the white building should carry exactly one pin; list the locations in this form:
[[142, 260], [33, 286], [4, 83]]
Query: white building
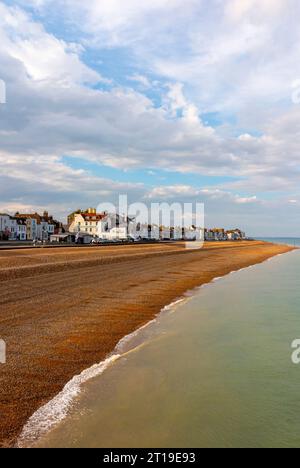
[[86, 222], [116, 227], [43, 233], [236, 234], [5, 225], [145, 231], [194, 234], [21, 229], [39, 227], [12, 228], [116, 233]]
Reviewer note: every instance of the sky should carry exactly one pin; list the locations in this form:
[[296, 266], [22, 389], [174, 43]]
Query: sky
[[163, 100]]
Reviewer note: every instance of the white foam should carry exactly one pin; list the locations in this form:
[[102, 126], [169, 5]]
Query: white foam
[[49, 415], [173, 305], [57, 409], [125, 341]]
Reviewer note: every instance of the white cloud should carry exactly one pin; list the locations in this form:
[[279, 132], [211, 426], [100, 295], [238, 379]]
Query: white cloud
[[245, 200], [238, 10], [172, 191], [45, 57], [29, 182], [230, 57], [116, 22], [234, 56]]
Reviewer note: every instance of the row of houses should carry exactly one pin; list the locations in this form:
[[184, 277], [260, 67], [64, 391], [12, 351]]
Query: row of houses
[[28, 227], [223, 235], [89, 224], [84, 226], [111, 227]]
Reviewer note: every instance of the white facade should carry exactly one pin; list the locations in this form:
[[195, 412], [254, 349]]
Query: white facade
[[5, 223], [22, 230], [87, 223], [116, 233], [165, 233], [144, 231], [236, 235], [114, 227], [14, 229], [25, 227], [177, 233], [42, 231], [194, 234], [9, 227]]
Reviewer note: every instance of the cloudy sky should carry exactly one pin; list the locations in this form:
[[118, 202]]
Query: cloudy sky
[[165, 100]]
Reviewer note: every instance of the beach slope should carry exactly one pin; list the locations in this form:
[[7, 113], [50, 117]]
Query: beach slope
[[63, 310]]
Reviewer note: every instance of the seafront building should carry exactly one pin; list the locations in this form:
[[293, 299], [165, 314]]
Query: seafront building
[[5, 225], [85, 222], [28, 227], [235, 234], [86, 226]]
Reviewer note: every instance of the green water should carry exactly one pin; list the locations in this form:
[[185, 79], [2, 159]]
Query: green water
[[214, 372]]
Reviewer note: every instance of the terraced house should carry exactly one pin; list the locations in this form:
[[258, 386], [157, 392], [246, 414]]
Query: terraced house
[[28, 226]]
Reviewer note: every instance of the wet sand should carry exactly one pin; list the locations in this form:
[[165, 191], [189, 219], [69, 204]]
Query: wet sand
[[64, 310]]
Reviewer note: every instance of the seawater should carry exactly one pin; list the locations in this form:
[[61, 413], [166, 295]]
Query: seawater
[[214, 371]]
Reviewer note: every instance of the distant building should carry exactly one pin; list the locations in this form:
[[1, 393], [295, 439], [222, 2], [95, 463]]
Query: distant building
[[220, 234], [83, 238], [235, 234], [116, 227], [193, 233], [71, 216], [31, 229], [5, 226], [86, 222], [145, 231], [66, 238], [21, 229], [39, 227]]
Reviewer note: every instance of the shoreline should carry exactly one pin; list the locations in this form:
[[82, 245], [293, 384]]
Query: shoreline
[[57, 409], [258, 252]]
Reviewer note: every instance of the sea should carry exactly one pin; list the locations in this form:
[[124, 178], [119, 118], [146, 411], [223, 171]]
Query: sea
[[214, 369]]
